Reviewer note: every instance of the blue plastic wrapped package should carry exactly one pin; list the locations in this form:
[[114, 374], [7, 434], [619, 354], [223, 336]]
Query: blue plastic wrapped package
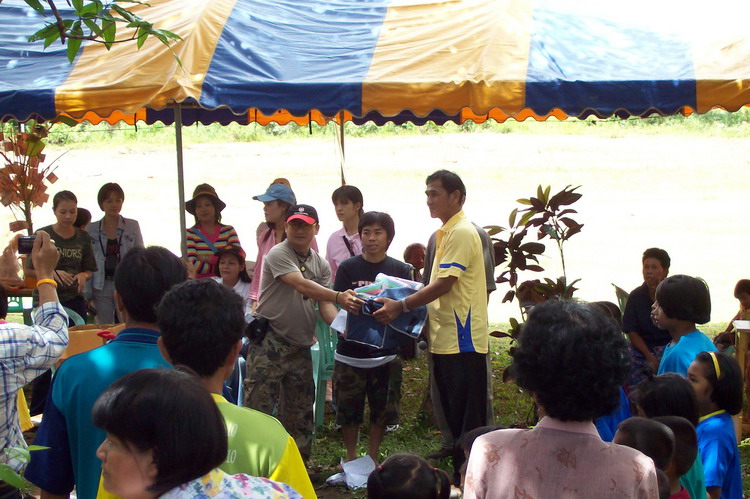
[[363, 328]]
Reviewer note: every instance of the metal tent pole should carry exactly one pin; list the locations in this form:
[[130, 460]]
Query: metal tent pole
[[341, 143], [180, 178]]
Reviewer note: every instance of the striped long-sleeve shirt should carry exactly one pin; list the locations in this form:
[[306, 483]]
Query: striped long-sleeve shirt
[[223, 235], [25, 353]]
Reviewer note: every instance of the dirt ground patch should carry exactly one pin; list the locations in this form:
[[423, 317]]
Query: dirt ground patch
[[685, 194]]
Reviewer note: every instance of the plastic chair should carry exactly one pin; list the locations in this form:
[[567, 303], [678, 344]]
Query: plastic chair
[[322, 366], [74, 316], [15, 306], [236, 381]]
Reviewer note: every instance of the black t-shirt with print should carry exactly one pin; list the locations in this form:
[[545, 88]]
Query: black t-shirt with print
[[355, 272], [76, 255]]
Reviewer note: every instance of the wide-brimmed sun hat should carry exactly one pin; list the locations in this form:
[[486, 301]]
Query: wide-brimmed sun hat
[[208, 191]]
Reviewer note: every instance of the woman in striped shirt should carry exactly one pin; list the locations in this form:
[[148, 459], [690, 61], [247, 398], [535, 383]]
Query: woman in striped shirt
[[208, 235]]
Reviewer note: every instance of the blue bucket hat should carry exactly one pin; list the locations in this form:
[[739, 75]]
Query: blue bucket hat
[[277, 191]]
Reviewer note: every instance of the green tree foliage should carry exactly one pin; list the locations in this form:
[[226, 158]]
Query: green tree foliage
[[96, 21]]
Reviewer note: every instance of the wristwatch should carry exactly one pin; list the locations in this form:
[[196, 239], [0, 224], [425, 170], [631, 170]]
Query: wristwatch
[[403, 305]]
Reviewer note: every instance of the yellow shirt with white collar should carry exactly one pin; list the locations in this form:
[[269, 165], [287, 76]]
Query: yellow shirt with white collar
[[458, 319]]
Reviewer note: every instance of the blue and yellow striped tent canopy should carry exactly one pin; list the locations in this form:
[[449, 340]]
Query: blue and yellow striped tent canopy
[[400, 60]]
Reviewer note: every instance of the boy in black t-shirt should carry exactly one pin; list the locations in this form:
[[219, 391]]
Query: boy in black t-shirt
[[362, 370]]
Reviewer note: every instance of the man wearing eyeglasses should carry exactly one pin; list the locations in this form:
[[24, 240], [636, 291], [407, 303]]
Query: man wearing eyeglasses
[[294, 278]]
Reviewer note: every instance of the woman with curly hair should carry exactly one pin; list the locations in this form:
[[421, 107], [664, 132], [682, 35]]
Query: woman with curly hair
[[572, 360]]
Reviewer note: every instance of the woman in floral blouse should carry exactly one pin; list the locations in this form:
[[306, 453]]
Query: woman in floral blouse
[[147, 455], [572, 360]]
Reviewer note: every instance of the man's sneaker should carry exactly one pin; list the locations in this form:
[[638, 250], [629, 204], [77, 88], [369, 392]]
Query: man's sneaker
[[391, 428]]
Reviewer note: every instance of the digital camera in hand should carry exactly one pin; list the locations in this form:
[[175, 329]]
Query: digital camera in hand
[[25, 244]]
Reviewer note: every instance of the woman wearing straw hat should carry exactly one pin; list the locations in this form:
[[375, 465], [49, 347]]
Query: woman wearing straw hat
[[208, 235]]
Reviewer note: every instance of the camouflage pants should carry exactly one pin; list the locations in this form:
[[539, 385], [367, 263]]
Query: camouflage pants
[[280, 379]]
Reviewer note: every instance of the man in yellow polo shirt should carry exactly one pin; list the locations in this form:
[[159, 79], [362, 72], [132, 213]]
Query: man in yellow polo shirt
[[456, 298]]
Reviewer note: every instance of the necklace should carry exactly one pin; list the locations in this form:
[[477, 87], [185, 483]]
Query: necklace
[[302, 262]]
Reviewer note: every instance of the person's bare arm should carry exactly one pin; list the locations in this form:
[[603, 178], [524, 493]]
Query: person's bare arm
[[81, 278], [328, 311], [714, 492], [347, 299], [393, 308], [44, 256]]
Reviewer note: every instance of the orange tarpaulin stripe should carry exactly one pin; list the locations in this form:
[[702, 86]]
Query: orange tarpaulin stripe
[[112, 119], [500, 116]]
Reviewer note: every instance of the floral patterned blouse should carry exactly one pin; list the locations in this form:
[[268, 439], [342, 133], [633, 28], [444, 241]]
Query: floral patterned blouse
[[217, 484], [557, 459]]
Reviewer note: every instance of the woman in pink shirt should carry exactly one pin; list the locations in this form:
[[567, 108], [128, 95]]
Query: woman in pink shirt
[[277, 199], [345, 242], [572, 360]]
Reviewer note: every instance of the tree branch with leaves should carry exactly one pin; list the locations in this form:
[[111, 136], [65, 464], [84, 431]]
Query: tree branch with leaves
[[95, 21]]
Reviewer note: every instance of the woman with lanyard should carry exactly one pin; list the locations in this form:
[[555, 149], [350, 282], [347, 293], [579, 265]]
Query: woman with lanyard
[[208, 235], [111, 238], [345, 242]]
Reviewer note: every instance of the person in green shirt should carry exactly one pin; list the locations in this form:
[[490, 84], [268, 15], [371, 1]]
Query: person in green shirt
[[201, 325]]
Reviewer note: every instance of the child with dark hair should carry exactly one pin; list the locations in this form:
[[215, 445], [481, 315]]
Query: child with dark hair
[[407, 476], [717, 381], [83, 219], [685, 452], [648, 436], [725, 341], [670, 395], [654, 440], [232, 273], [414, 255], [681, 303], [742, 293], [364, 371]]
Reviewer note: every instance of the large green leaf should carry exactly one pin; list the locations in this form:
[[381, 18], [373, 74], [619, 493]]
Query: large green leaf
[[9, 476], [36, 5], [109, 31], [44, 33], [74, 43], [91, 9], [493, 229]]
